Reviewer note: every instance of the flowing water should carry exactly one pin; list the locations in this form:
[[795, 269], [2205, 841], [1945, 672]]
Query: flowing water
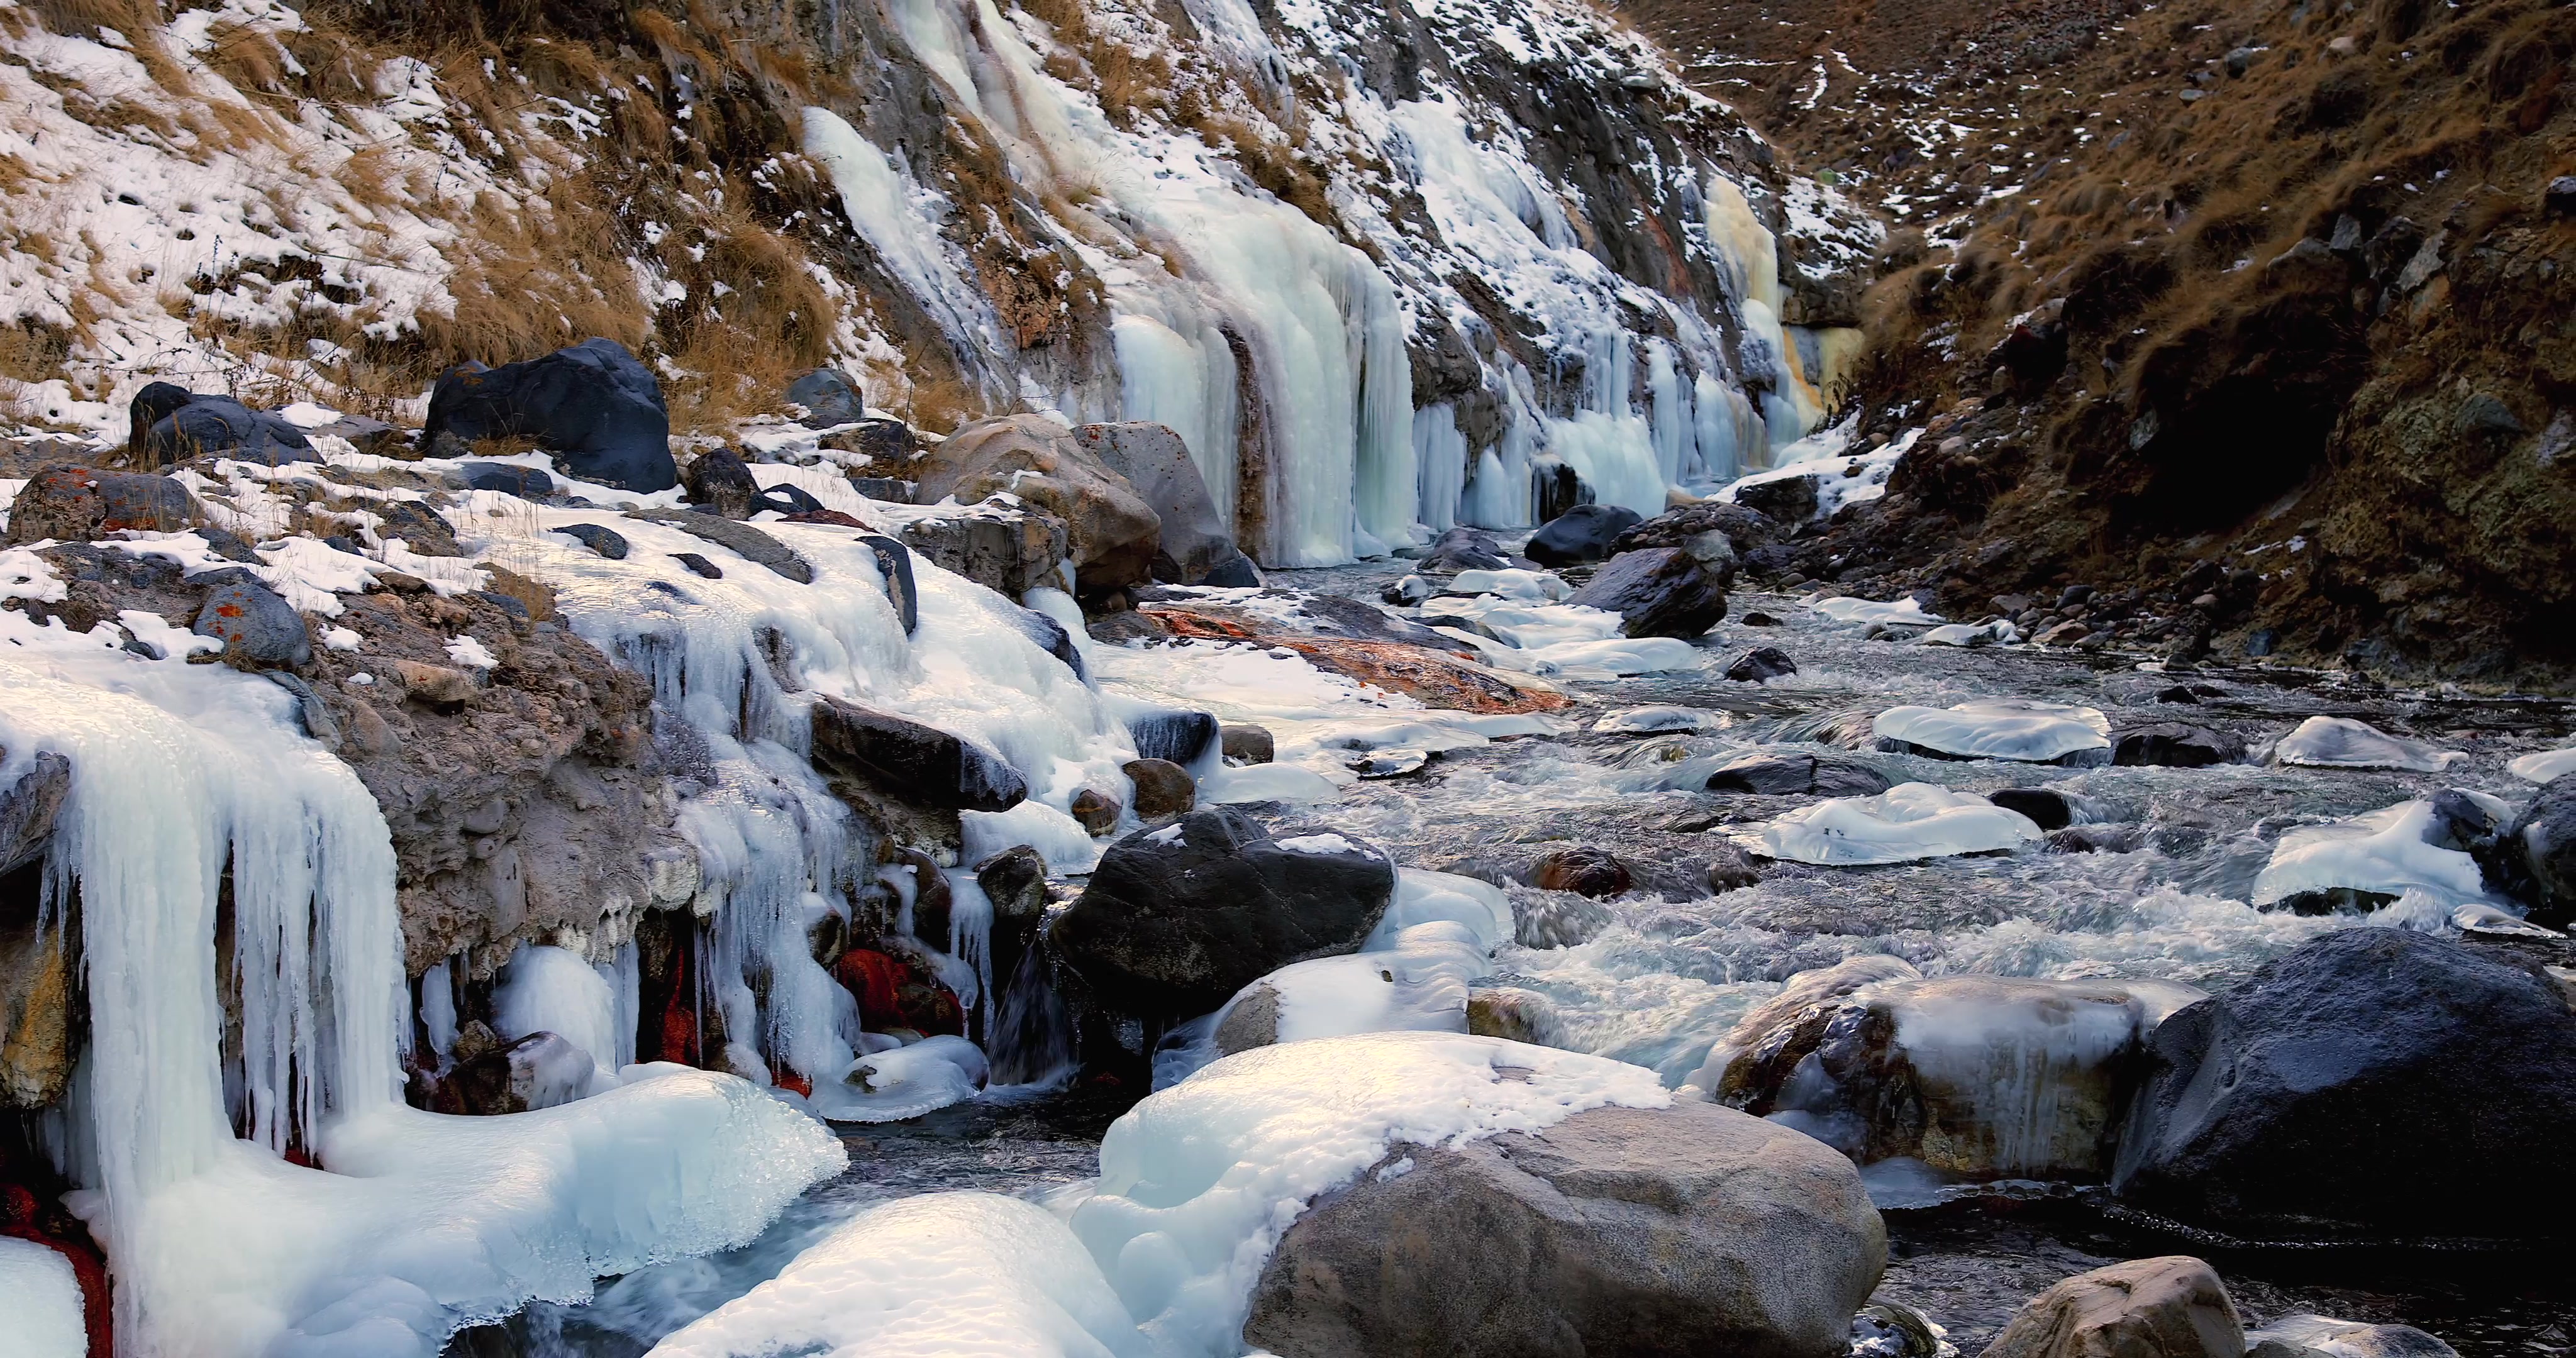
[[1653, 977]]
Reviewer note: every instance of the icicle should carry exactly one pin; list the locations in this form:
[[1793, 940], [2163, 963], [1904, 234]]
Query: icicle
[[1440, 458], [1390, 496]]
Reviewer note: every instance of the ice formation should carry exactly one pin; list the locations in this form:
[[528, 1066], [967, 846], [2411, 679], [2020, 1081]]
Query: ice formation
[[2000, 728], [45, 1318], [1907, 822], [2383, 852], [1904, 612], [2343, 743], [2546, 766]]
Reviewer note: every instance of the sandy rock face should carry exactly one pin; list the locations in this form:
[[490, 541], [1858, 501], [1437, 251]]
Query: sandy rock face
[[1112, 532], [2169, 1307]]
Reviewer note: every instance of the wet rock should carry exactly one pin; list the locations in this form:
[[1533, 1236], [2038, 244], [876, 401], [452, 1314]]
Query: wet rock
[[78, 504], [1175, 920], [1582, 533], [1112, 534], [258, 628], [1729, 870], [1760, 664], [721, 484], [1007, 548], [2047, 808], [1464, 549], [1118, 629], [1392, 762], [1097, 810], [1196, 541], [540, 1070], [1163, 788], [2179, 693], [1174, 734], [1759, 620], [1247, 744], [1407, 592], [508, 478], [699, 566], [894, 569], [830, 399], [41, 1019], [607, 542], [1511, 1013], [2096, 839], [917, 763], [2313, 1336], [1797, 775], [2534, 860], [1657, 592], [2170, 1307], [170, 424], [1555, 487], [1692, 1229], [592, 405], [2361, 1086], [1581, 869], [741, 539]]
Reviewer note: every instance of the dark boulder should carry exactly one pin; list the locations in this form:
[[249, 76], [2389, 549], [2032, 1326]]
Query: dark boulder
[[893, 490], [2534, 860], [1797, 775], [2046, 808], [830, 398], [1463, 549], [77, 504], [422, 529], [2175, 745], [1745, 527], [1235, 572], [1197, 543], [894, 565], [699, 566], [1688, 1230], [1248, 744], [1583, 533], [1556, 487], [1658, 592], [1791, 500], [795, 502], [1176, 920], [592, 405], [1760, 664], [720, 483], [1007, 548], [915, 763], [2375, 1083], [1172, 734], [607, 542], [1163, 788], [258, 628], [509, 478], [1581, 869], [169, 424]]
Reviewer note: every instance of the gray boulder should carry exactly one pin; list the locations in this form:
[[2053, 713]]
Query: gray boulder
[[1796, 775], [1463, 549], [830, 398], [1197, 543], [1657, 592], [720, 483], [1174, 921], [2534, 860], [170, 424], [918, 764], [1582, 533], [593, 405], [2375, 1083], [1618, 1231], [2168, 1307], [1008, 548], [77, 504], [258, 628], [1111, 533]]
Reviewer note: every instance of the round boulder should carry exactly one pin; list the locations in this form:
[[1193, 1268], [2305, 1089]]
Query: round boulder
[[1583, 533]]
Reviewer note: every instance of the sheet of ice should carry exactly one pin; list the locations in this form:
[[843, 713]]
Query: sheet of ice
[[1998, 728], [2544, 767], [945, 1275], [1198, 1182], [906, 1082], [1907, 822], [1056, 835], [1532, 586], [2343, 743], [44, 1295], [1424, 897], [1902, 611], [2383, 851], [552, 990], [1997, 632], [1649, 719], [1291, 783]]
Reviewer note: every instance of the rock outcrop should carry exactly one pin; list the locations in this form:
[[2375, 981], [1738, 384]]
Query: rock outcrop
[[592, 405], [1111, 533], [1196, 542], [1657, 592], [169, 424]]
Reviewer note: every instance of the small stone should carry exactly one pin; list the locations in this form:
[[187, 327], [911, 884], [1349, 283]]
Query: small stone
[[699, 565], [2064, 634], [258, 628], [1758, 620], [1512, 1014], [2179, 693], [528, 483], [1760, 664], [1163, 788], [606, 542], [1097, 810], [1581, 869], [438, 685], [1247, 744], [1730, 870], [2047, 808]]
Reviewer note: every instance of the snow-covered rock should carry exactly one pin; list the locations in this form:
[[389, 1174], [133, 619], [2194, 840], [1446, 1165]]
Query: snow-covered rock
[[1907, 822], [1999, 728], [2343, 743]]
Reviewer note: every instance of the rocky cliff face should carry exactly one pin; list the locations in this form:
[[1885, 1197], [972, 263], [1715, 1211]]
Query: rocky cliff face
[[2206, 292]]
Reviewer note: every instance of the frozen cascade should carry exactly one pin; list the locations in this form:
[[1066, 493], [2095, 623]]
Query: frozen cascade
[[1440, 460]]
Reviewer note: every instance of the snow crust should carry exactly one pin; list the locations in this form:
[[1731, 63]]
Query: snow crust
[[1998, 728], [45, 1315], [2383, 851], [1907, 822], [1902, 611], [2343, 743]]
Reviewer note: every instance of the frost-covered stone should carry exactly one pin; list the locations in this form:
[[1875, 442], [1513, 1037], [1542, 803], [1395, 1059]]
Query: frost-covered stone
[[1618, 1230], [2169, 1307], [743, 540], [2343, 743], [1170, 733], [592, 405], [2376, 1083], [1907, 822], [1998, 728], [2367, 861]]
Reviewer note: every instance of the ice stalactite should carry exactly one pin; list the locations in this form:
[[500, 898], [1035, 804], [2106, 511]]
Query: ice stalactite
[[1440, 463]]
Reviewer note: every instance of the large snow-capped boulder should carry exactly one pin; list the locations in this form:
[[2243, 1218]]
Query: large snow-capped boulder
[[170, 424], [1176, 920], [77, 504], [2374, 1083], [1111, 532], [2168, 1307], [2367, 861], [1197, 543], [1998, 728], [1980, 1077], [1657, 592], [593, 405], [1691, 1229]]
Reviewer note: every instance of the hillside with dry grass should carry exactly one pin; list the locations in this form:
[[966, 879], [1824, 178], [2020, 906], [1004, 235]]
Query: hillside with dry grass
[[2277, 290]]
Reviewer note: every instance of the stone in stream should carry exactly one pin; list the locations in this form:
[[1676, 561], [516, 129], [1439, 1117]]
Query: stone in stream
[[2375, 1084], [1097, 810], [1512, 1013], [2047, 808], [2176, 745], [1175, 920], [259, 629], [592, 405], [2313, 1336], [1463, 549], [540, 1070], [1795, 775], [1174, 734], [1760, 664], [910, 761], [1658, 592], [1163, 788], [2169, 1307], [721, 484], [77, 504], [1247, 744], [1583, 533], [1692, 1229], [2534, 859], [1729, 870], [1581, 869]]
